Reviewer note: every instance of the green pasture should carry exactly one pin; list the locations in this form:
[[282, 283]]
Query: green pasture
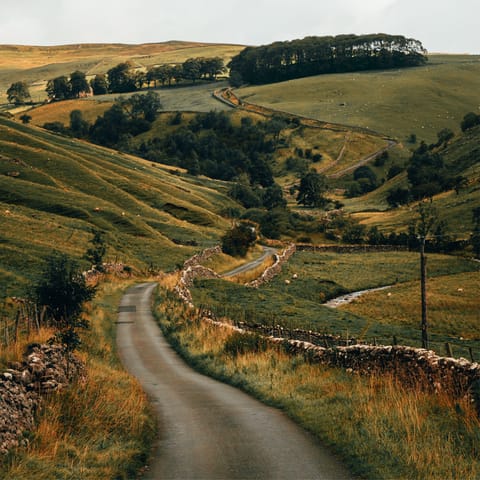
[[54, 190], [322, 276], [420, 100]]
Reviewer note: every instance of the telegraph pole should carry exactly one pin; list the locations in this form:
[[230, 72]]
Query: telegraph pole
[[423, 283]]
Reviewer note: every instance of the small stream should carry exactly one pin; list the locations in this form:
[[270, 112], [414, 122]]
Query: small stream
[[349, 297]]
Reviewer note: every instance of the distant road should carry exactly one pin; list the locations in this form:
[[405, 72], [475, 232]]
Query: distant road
[[209, 430], [267, 252]]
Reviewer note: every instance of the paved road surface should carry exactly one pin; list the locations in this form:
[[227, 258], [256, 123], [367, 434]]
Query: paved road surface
[[209, 430], [267, 251]]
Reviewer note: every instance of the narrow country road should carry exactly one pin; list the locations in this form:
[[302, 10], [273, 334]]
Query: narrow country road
[[267, 251], [209, 430]]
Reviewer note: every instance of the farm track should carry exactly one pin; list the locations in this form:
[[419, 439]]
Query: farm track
[[209, 430]]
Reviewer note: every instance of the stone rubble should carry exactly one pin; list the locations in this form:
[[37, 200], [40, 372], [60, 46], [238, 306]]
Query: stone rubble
[[46, 369]]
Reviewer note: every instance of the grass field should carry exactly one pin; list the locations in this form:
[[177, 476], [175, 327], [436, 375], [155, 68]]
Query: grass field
[[54, 190], [421, 100], [322, 276]]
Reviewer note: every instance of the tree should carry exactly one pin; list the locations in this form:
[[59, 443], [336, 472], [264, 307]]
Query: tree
[[78, 126], [78, 84], [25, 118], [95, 254], [191, 69], [18, 93], [99, 84], [63, 290], [469, 121], [310, 192], [121, 78], [444, 136], [239, 239], [475, 236], [59, 88], [273, 197], [398, 196]]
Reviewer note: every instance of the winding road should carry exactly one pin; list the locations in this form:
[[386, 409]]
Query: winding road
[[209, 430], [267, 252]]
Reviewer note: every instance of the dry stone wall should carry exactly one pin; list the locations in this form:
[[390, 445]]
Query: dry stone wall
[[47, 368], [458, 377], [192, 269], [275, 269], [351, 248]]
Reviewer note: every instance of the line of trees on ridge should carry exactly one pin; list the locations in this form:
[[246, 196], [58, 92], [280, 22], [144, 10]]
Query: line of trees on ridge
[[287, 60]]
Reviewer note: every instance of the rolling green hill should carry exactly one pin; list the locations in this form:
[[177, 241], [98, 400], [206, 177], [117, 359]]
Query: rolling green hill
[[54, 190], [462, 155], [420, 100]]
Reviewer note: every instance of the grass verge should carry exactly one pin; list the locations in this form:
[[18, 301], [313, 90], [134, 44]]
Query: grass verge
[[379, 428], [100, 429]]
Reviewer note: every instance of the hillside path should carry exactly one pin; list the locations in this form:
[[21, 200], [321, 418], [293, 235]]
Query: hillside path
[[209, 430]]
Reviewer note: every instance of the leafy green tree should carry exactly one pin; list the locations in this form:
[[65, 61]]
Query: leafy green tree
[[25, 118], [59, 88], [78, 126], [78, 84], [444, 136], [469, 121], [475, 236], [18, 93], [191, 69], [212, 67], [312, 187], [353, 233], [99, 84], [96, 252], [273, 197], [121, 78], [398, 196], [239, 239], [63, 290]]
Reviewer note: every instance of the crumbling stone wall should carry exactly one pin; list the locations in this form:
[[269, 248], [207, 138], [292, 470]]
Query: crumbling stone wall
[[413, 366], [274, 269], [351, 248], [47, 368], [192, 269]]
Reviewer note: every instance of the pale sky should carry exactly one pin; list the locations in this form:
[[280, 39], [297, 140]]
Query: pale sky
[[441, 25]]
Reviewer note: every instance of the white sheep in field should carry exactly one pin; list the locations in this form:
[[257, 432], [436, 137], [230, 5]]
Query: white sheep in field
[[294, 276], [287, 282]]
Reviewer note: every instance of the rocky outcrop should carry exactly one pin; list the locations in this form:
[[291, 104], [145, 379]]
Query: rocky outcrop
[[47, 368]]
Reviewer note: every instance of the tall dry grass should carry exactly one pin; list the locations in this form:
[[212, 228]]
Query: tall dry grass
[[380, 428], [98, 429]]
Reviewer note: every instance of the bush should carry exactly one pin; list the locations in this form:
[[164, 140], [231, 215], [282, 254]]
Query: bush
[[239, 239]]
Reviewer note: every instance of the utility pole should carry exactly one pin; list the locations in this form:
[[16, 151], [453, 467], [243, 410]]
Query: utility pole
[[428, 219], [423, 282]]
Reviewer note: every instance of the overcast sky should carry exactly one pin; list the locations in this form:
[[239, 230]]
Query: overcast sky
[[441, 25]]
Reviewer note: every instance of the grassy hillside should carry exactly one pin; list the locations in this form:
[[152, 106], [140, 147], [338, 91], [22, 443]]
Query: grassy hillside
[[54, 190], [420, 100], [36, 65], [462, 155]]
